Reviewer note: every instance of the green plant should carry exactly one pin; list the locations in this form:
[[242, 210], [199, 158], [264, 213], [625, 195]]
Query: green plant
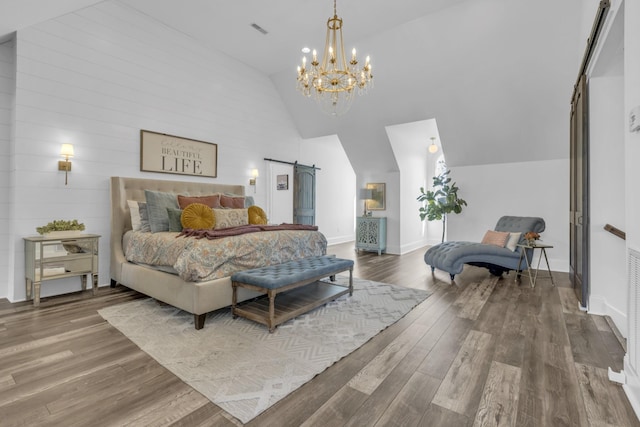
[[60, 225], [442, 201]]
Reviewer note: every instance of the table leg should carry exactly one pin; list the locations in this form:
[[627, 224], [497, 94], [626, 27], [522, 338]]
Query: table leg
[[535, 277], [94, 278], [531, 280], [548, 267], [83, 278], [36, 294], [29, 286]]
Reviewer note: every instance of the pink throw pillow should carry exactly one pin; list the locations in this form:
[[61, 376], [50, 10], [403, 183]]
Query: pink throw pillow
[[498, 238]]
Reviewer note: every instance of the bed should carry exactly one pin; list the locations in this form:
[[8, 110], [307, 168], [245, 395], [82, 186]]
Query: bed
[[197, 293]]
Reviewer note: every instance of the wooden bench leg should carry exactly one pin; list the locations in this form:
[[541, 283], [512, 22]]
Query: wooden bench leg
[[351, 282], [234, 299], [272, 310]]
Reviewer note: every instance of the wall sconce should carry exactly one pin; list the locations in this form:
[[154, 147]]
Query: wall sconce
[[366, 194], [433, 148], [252, 180], [65, 165]]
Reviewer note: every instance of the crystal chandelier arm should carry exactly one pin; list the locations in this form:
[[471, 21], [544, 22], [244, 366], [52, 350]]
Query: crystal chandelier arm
[[333, 80]]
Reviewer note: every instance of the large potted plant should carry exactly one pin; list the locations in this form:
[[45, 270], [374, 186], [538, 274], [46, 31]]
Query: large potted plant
[[441, 201]]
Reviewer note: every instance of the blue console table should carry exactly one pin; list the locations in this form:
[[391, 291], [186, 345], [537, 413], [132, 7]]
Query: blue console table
[[371, 234]]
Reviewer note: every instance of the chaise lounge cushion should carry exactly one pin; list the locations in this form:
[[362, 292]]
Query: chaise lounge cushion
[[452, 256]]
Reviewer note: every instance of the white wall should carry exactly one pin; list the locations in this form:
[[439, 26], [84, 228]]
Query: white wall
[[523, 189], [7, 98], [409, 145], [632, 171], [96, 77], [608, 279], [335, 187]]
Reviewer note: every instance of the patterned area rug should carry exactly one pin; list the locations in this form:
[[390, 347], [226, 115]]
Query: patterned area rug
[[239, 365]]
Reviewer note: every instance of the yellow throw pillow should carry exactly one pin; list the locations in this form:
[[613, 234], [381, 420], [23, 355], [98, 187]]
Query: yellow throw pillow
[[257, 215], [198, 216]]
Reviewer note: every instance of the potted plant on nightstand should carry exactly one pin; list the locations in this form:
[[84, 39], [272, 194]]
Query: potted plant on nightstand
[[61, 228]]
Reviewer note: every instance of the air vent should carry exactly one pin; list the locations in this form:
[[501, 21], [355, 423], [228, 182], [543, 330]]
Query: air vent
[[259, 28]]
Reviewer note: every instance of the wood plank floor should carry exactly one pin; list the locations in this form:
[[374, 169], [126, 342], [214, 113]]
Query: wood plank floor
[[483, 351]]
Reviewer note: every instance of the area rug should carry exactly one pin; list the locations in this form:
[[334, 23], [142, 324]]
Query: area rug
[[239, 365]]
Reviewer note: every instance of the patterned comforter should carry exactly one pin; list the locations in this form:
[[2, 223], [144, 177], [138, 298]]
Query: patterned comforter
[[196, 260]]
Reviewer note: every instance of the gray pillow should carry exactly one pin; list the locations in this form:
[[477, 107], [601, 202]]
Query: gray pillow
[[175, 224], [157, 204], [144, 217]]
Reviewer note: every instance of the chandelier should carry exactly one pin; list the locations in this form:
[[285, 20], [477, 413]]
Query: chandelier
[[334, 81]]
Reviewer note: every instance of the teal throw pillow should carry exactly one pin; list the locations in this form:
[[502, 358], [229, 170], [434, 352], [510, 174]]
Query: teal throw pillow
[[174, 219]]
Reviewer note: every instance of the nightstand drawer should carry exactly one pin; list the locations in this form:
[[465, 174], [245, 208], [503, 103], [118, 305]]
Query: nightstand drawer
[[86, 264]]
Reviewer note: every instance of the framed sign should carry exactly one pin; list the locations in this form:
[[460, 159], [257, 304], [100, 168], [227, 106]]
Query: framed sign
[[164, 153], [282, 182], [377, 200]]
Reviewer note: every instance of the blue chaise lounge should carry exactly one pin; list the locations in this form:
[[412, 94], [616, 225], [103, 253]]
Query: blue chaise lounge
[[452, 256]]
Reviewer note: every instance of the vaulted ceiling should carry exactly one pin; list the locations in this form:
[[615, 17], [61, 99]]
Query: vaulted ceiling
[[496, 75]]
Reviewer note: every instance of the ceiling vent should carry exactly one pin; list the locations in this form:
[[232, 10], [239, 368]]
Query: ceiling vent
[[259, 28]]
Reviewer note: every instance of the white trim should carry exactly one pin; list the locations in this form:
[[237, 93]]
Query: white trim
[[599, 305]]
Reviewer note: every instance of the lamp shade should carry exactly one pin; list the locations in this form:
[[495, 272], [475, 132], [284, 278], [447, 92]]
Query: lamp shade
[[366, 194], [66, 151], [254, 173]]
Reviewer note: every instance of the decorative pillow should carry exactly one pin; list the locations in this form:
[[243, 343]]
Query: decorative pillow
[[256, 215], [513, 240], [198, 217], [226, 218], [174, 219], [157, 204], [497, 238], [144, 217], [134, 210], [248, 201], [213, 201], [232, 202]]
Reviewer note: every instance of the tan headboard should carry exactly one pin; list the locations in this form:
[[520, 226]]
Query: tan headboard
[[123, 189]]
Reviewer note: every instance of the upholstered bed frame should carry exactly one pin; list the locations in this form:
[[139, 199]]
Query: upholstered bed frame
[[197, 298]]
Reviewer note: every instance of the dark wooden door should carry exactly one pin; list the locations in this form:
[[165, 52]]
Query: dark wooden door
[[304, 195], [579, 193]]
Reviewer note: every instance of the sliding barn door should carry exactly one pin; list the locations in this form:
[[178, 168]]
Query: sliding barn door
[[579, 193], [304, 195]]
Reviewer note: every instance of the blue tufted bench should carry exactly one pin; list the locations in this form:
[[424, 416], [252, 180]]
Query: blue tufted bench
[[451, 256], [299, 277]]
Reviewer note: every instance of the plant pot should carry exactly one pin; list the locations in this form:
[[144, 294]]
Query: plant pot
[[63, 234]]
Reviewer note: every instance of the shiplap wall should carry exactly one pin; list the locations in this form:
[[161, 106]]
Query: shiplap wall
[[7, 92], [94, 78]]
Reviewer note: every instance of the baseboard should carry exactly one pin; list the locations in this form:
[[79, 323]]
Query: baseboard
[[557, 264], [412, 247], [598, 305], [341, 239]]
